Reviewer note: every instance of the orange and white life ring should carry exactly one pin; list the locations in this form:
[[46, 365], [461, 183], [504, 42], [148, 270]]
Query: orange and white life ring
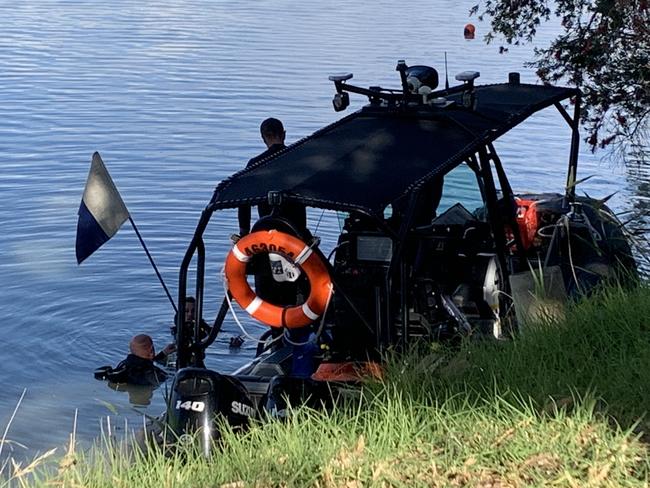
[[297, 252]]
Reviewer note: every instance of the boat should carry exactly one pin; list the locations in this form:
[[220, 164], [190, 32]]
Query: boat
[[415, 261]]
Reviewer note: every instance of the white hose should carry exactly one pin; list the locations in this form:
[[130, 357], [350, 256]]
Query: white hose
[[567, 226], [284, 334], [234, 315]]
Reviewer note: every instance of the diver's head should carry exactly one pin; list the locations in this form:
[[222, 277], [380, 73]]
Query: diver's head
[[142, 346], [190, 309]]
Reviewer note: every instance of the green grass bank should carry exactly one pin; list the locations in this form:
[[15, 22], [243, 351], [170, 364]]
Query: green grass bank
[[562, 405]]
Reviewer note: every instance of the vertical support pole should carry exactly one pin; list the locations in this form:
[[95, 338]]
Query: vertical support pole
[[404, 304], [182, 348], [573, 155], [397, 260], [495, 217], [474, 165], [509, 199], [380, 340], [406, 225], [387, 334], [197, 357], [200, 272]]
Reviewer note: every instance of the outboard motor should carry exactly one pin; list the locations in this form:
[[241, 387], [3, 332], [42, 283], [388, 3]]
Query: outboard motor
[[199, 398]]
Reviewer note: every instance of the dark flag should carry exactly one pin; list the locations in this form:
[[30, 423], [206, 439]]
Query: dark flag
[[101, 213]]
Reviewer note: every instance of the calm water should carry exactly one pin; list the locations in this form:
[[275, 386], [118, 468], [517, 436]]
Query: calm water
[[172, 94]]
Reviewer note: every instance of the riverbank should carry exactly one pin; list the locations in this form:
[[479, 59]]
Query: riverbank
[[564, 404]]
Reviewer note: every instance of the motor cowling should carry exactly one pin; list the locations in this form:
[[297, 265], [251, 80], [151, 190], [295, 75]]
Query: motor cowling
[[419, 77], [199, 399]]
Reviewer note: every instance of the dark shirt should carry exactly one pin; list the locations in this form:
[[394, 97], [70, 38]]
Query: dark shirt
[[188, 328], [293, 212], [196, 355], [138, 371], [426, 205]]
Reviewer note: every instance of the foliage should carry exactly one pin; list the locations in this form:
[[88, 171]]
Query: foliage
[[603, 49]]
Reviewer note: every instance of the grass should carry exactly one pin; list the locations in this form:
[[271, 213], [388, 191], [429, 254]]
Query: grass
[[600, 349], [562, 405]]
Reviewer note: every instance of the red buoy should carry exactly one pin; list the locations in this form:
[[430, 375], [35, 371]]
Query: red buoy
[[469, 31]]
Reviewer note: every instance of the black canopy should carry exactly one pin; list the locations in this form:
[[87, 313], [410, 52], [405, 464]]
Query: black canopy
[[378, 154]]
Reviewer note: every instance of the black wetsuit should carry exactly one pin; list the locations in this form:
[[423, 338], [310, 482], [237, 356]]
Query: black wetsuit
[[196, 357], [135, 370], [286, 293], [293, 212], [204, 329]]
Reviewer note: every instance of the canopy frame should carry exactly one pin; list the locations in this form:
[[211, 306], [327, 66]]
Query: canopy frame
[[480, 156]]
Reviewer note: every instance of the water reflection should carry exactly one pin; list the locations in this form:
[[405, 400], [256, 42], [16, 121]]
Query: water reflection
[[139, 395], [636, 216]]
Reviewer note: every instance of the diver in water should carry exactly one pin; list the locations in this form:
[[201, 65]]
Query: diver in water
[[138, 368], [197, 356], [190, 320]]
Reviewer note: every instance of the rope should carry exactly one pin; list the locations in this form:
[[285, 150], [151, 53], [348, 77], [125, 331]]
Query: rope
[[284, 334], [234, 315], [319, 219], [568, 237], [320, 327]]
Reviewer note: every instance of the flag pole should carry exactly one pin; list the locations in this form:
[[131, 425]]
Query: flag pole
[[155, 268]]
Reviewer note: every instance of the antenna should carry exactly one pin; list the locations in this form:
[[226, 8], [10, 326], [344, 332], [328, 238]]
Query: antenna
[[446, 76]]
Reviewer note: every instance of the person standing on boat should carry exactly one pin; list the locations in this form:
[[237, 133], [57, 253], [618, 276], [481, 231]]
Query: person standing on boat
[[273, 135], [267, 284]]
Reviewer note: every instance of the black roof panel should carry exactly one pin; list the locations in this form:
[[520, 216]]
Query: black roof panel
[[376, 155]]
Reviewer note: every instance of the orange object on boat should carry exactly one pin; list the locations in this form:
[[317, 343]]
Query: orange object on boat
[[295, 250], [527, 221], [348, 371]]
